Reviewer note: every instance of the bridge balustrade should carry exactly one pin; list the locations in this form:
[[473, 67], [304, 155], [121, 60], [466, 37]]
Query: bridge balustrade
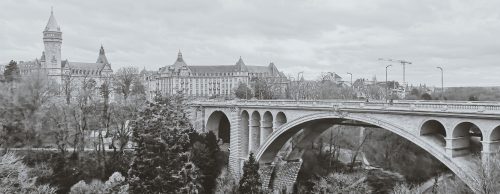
[[410, 105]]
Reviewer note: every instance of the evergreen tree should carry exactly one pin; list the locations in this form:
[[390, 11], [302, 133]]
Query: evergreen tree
[[250, 182], [189, 179], [11, 72], [161, 132], [204, 154]]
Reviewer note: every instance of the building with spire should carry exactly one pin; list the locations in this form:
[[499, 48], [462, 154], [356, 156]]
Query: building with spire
[[209, 81], [57, 69]]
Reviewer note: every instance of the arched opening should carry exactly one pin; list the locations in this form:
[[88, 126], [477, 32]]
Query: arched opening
[[219, 124], [495, 134], [494, 141], [267, 126], [245, 135], [466, 138], [434, 131], [254, 132], [280, 119], [429, 129]]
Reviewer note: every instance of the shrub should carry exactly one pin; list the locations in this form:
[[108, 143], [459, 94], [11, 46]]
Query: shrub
[[116, 184], [16, 177]]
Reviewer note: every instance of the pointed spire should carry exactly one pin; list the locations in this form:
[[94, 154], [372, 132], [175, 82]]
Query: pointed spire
[[102, 56], [179, 56], [52, 23], [43, 56], [240, 66], [101, 51]]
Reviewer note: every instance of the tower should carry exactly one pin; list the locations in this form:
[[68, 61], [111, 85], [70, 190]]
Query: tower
[[52, 40]]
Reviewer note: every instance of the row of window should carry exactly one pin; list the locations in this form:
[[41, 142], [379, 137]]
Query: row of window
[[220, 74], [86, 72]]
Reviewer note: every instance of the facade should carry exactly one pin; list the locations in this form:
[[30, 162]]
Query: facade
[[209, 81], [58, 69]]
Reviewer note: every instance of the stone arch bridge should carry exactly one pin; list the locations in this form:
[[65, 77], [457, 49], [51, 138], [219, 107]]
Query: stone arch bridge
[[450, 131]]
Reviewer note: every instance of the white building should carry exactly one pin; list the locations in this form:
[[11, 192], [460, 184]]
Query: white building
[[207, 81]]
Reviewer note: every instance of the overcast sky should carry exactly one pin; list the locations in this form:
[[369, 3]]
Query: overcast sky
[[313, 36]]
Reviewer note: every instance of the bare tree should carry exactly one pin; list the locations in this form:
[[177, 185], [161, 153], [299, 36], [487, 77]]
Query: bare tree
[[489, 174], [58, 123], [32, 94], [67, 86], [123, 80], [83, 113], [363, 139]]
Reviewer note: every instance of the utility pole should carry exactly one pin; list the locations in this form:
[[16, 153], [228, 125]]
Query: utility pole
[[386, 85], [442, 84], [351, 79], [403, 62], [298, 83]]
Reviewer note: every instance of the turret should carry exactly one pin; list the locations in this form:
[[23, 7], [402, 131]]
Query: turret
[[52, 40]]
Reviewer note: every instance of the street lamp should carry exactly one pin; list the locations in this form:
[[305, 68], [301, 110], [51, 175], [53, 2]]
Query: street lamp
[[386, 85], [442, 85], [292, 79], [298, 83], [351, 78]]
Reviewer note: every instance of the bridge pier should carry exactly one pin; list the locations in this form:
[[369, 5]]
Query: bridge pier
[[234, 162], [457, 146], [490, 151]]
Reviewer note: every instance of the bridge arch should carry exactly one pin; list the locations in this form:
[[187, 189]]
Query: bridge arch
[[254, 131], [269, 149], [267, 126], [219, 123], [280, 119], [467, 136], [245, 132], [434, 130], [495, 134]]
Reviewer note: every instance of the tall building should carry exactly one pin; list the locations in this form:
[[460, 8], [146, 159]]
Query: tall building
[[209, 81], [58, 69]]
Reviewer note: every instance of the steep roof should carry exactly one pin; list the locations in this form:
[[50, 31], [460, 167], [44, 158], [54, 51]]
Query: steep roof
[[180, 61], [211, 69], [258, 69], [240, 66], [85, 66], [102, 56], [52, 23]]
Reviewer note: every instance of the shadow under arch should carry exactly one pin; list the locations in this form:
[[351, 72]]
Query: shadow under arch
[[266, 127], [467, 137], [434, 131], [269, 149], [245, 139], [280, 119], [218, 123]]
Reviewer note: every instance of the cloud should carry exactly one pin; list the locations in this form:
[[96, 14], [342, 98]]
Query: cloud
[[313, 36]]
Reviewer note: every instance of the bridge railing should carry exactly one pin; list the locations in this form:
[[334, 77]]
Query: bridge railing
[[410, 105]]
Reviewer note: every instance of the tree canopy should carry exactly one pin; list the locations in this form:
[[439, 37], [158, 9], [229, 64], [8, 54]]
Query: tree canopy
[[250, 181]]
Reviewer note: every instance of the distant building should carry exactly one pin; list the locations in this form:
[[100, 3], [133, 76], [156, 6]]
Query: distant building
[[333, 77], [208, 81], [56, 68]]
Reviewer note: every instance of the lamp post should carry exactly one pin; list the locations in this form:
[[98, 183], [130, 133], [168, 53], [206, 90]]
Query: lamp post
[[298, 83], [386, 85], [351, 78], [292, 79], [442, 80]]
